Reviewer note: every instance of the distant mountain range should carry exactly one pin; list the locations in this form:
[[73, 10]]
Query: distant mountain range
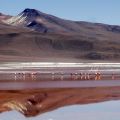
[[36, 36], [4, 17], [43, 22]]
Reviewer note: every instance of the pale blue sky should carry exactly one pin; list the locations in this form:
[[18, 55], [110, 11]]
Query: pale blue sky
[[105, 11]]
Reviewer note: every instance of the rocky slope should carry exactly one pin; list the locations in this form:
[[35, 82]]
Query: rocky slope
[[43, 22], [36, 36]]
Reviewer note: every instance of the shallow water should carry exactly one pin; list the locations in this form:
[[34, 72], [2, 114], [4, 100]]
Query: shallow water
[[98, 111], [57, 84]]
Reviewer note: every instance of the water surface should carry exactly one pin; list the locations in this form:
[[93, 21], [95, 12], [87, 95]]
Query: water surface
[[98, 111]]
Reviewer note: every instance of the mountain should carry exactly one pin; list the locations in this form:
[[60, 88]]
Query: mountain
[[43, 22], [4, 17], [36, 36]]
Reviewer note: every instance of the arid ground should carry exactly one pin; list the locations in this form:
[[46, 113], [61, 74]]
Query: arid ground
[[55, 39]]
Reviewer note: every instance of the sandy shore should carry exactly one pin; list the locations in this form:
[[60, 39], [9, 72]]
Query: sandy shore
[[34, 102]]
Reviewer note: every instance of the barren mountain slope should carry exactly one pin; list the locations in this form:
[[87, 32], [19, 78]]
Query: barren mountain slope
[[61, 40]]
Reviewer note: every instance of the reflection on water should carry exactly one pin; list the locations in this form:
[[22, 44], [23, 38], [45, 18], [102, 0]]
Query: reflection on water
[[100, 111]]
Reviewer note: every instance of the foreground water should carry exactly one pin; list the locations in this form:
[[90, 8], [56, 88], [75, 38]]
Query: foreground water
[[98, 111]]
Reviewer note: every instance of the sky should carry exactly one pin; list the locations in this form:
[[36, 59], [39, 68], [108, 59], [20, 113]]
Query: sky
[[100, 111], [102, 11]]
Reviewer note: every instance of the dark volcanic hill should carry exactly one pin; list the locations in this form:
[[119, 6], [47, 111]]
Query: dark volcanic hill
[[43, 22], [36, 36]]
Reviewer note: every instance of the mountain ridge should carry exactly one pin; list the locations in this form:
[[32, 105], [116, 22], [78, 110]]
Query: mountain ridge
[[4, 17], [44, 37], [43, 22]]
